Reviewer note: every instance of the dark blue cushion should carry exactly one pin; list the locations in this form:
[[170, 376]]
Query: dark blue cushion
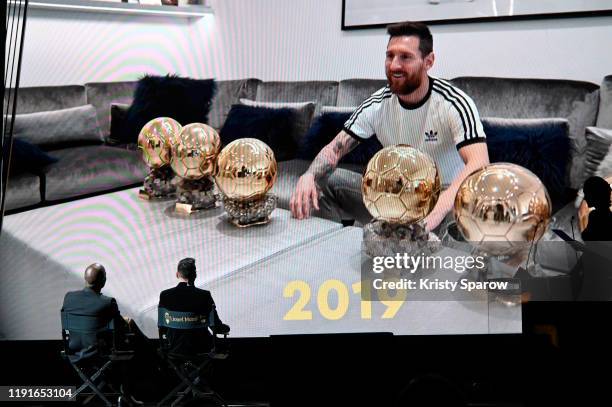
[[28, 157], [323, 131], [185, 100], [540, 145], [272, 126]]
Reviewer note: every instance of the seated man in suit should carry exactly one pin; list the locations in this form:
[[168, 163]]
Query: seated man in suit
[[91, 302], [185, 297], [597, 259], [597, 195]]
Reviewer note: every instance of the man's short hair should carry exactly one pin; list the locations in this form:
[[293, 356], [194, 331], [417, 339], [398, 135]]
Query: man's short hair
[[187, 268], [95, 275], [410, 28]]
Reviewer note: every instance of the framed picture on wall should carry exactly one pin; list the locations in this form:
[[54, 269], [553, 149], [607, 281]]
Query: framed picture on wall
[[371, 14]]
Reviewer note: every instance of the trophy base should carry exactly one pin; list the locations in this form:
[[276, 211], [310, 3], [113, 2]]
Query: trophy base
[[151, 196], [158, 185], [381, 238], [195, 195], [250, 213], [253, 223]]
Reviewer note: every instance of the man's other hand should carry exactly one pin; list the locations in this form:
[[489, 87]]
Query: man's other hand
[[304, 197]]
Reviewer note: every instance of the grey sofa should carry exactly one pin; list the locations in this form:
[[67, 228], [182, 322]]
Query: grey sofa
[[89, 169]]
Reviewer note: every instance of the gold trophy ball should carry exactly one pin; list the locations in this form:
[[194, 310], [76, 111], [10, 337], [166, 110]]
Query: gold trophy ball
[[401, 185], [195, 151], [584, 210], [246, 169], [502, 208], [155, 141]]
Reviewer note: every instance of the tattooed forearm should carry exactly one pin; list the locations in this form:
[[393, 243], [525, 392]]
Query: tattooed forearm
[[327, 160]]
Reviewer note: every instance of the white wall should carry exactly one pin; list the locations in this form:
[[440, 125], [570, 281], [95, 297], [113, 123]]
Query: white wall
[[297, 40]]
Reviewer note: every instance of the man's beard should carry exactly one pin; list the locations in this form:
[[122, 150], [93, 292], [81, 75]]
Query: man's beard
[[404, 85]]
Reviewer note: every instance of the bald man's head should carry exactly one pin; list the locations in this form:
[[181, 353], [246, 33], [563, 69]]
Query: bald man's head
[[95, 276]]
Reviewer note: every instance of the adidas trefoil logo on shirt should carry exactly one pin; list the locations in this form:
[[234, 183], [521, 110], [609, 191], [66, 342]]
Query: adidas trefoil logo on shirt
[[431, 135]]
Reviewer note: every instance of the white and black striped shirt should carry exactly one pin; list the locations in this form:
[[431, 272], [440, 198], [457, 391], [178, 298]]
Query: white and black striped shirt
[[443, 122]]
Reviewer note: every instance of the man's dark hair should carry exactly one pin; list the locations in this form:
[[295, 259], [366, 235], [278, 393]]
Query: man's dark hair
[[187, 268], [597, 193], [410, 28]]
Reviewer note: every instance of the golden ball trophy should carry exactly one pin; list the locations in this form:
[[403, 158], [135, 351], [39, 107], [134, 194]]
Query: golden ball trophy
[[401, 185], [155, 141], [194, 156], [246, 170], [502, 210]]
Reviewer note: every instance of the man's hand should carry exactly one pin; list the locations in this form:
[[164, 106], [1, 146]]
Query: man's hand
[[305, 197], [306, 194]]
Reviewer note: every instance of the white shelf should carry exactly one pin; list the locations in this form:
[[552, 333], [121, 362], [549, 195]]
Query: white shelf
[[94, 6]]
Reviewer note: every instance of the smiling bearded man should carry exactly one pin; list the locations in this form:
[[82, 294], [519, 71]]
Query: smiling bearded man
[[414, 108]]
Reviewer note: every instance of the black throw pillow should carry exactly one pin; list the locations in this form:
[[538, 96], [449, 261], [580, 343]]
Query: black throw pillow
[[118, 119], [272, 126], [185, 100], [26, 157], [540, 145], [323, 131]]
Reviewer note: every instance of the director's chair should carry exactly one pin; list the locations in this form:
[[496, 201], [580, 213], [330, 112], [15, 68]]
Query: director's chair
[[93, 362], [188, 367]]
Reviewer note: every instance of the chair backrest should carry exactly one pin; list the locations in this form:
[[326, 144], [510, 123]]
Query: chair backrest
[[87, 326], [185, 333], [182, 320], [85, 323]]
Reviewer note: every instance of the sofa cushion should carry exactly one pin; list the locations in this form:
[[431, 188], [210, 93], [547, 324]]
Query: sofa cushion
[[103, 94], [598, 143], [321, 92], [272, 126], [22, 190], [351, 92], [185, 100], [302, 114], [57, 128], [26, 157], [118, 112], [47, 98], [540, 145], [539, 98], [322, 132], [89, 169], [604, 117], [228, 94]]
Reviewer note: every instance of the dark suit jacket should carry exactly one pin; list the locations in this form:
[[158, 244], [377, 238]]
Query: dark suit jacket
[[187, 298], [599, 227], [88, 302]]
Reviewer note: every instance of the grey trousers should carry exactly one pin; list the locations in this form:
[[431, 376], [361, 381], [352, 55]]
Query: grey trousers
[[341, 200], [340, 197]]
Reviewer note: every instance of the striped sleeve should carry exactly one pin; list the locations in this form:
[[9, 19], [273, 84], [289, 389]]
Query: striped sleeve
[[360, 124], [463, 115]]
